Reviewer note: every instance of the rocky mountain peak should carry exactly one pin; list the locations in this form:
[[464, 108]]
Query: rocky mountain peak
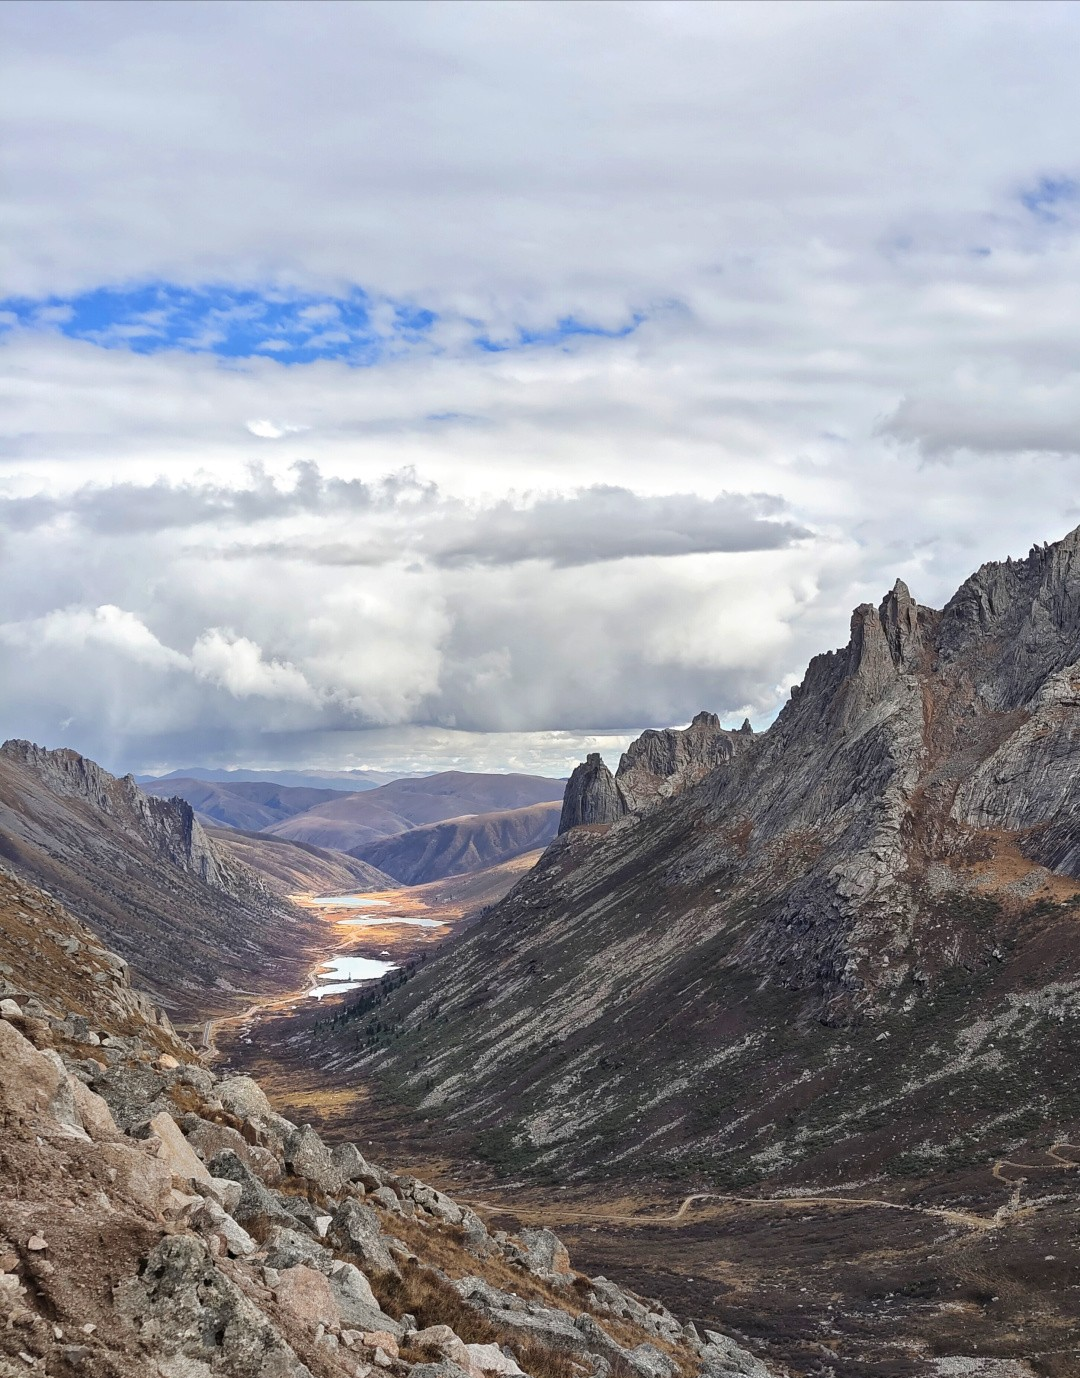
[[591, 795], [658, 765]]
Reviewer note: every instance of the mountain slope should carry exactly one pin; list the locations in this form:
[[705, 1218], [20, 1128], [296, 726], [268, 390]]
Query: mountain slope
[[292, 868], [459, 845], [252, 805], [356, 821], [192, 922], [852, 946]]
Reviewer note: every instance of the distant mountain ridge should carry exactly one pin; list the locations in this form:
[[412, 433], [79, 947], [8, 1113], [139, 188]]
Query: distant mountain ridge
[[458, 846], [348, 781], [356, 821], [250, 805]]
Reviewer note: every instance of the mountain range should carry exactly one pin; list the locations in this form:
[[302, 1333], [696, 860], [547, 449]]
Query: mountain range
[[847, 945], [488, 819]]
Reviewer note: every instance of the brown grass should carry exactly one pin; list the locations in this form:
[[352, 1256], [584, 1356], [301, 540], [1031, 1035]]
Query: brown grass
[[422, 1293], [442, 1246]]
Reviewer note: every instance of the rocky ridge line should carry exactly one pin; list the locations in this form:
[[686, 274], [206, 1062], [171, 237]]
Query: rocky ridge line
[[658, 765]]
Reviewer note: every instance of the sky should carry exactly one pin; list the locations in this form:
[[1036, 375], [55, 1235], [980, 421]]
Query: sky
[[419, 386]]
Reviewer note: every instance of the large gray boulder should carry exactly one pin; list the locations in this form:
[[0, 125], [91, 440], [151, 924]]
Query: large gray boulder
[[307, 1156], [258, 1209], [194, 1320], [357, 1303], [546, 1255], [721, 1357], [355, 1230], [354, 1167]]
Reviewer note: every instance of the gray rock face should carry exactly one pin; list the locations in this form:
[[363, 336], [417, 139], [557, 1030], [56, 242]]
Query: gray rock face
[[168, 827], [661, 764], [591, 796], [657, 766], [144, 875]]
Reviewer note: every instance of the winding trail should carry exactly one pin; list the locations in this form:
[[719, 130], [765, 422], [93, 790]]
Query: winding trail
[[969, 1220]]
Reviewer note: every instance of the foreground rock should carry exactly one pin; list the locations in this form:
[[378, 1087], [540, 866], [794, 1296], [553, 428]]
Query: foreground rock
[[158, 1220]]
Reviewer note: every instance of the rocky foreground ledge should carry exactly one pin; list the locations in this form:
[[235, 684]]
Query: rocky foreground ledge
[[158, 1220]]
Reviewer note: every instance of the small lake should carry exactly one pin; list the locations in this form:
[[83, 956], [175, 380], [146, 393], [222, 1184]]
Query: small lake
[[388, 919], [346, 902], [346, 973]]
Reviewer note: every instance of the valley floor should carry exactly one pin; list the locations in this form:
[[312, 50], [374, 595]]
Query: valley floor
[[970, 1276]]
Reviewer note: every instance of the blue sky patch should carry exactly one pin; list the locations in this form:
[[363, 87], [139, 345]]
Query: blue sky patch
[[293, 328], [1047, 194]]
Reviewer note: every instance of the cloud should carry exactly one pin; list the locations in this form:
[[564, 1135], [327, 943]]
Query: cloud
[[607, 523], [625, 299], [406, 514], [70, 630], [237, 664], [272, 430]]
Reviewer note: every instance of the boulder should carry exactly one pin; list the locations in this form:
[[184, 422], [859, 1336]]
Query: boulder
[[490, 1359], [721, 1357], [307, 1156], [94, 1113], [258, 1209], [211, 1218], [546, 1255], [387, 1198], [134, 1092], [356, 1231], [443, 1369], [176, 1152], [209, 1139], [354, 1167], [244, 1098], [436, 1204], [381, 1339], [305, 1293], [31, 1081], [356, 1302], [225, 1192], [285, 1248], [142, 1179], [195, 1321], [651, 1362]]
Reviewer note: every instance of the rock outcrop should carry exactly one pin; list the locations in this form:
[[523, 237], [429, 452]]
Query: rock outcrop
[[157, 1219], [838, 909], [592, 796], [656, 766]]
